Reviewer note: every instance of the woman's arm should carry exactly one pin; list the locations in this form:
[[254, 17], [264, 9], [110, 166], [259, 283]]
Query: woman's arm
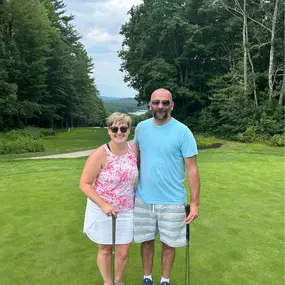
[[91, 170]]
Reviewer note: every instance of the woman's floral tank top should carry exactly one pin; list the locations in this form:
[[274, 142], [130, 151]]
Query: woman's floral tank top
[[116, 182]]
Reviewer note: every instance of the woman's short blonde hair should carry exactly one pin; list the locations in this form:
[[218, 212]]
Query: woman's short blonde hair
[[119, 118]]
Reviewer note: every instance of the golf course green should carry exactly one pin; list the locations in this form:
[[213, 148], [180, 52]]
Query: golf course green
[[237, 239]]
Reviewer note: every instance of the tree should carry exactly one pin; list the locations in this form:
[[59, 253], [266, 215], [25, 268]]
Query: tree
[[9, 57], [214, 57], [45, 73], [31, 32], [282, 92], [165, 45]]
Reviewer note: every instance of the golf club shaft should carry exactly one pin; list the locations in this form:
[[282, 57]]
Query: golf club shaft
[[186, 266], [113, 247], [187, 254]]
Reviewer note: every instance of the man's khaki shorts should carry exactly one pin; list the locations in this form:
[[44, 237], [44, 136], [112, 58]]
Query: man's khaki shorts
[[168, 220]]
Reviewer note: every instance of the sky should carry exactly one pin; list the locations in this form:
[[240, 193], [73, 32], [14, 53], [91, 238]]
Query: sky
[[99, 23]]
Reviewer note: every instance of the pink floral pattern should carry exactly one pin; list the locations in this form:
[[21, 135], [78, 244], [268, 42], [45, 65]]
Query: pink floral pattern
[[116, 181]]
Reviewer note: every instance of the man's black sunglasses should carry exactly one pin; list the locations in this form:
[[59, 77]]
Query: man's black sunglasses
[[115, 129], [163, 102]]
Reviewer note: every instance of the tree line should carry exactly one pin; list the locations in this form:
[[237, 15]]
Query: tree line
[[223, 61], [45, 72]]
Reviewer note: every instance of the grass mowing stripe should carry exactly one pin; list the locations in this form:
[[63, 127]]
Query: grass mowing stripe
[[242, 215], [238, 238]]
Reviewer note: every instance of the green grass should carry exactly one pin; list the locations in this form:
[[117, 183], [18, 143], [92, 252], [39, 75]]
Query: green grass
[[64, 141], [238, 238], [78, 139], [240, 233]]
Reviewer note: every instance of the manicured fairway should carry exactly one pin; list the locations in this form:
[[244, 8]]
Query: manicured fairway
[[238, 238], [64, 142]]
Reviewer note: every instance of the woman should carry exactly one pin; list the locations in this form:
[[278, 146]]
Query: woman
[[108, 180]]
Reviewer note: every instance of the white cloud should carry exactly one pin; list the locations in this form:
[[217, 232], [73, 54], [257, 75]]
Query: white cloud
[[99, 22], [112, 5], [97, 36]]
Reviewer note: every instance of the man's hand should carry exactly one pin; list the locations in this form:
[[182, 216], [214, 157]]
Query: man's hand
[[194, 213]]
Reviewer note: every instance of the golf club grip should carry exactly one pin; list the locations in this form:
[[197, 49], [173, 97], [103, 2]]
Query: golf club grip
[[187, 211]]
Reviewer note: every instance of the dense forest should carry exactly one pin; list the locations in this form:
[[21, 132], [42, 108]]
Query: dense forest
[[223, 61], [45, 71]]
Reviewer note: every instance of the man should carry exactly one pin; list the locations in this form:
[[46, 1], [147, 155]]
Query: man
[[166, 146]]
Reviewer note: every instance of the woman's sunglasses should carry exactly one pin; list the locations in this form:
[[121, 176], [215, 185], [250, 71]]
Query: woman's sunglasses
[[163, 102], [115, 129]]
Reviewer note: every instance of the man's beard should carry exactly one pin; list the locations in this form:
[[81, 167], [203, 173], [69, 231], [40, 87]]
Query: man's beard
[[160, 115]]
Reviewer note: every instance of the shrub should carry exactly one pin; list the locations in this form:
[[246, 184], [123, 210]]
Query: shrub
[[248, 136], [207, 142], [24, 140], [12, 135], [31, 132], [277, 140], [48, 132], [20, 145], [271, 120]]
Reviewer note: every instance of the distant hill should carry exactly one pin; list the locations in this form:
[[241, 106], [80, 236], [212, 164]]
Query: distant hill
[[124, 105], [106, 98]]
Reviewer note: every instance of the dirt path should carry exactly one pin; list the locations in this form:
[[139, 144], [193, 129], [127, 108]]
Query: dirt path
[[65, 155], [82, 153]]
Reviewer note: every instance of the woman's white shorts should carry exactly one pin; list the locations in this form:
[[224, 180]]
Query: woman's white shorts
[[98, 226]]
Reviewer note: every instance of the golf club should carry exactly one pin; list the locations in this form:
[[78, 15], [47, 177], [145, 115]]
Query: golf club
[[187, 255], [113, 247]]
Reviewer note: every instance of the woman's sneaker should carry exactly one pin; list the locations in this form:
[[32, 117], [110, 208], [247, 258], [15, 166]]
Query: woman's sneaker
[[147, 281]]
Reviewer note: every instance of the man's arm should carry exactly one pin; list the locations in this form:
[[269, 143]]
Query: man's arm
[[136, 143], [137, 153], [194, 185]]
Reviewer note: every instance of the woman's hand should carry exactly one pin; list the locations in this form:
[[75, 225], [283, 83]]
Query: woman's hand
[[109, 210]]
